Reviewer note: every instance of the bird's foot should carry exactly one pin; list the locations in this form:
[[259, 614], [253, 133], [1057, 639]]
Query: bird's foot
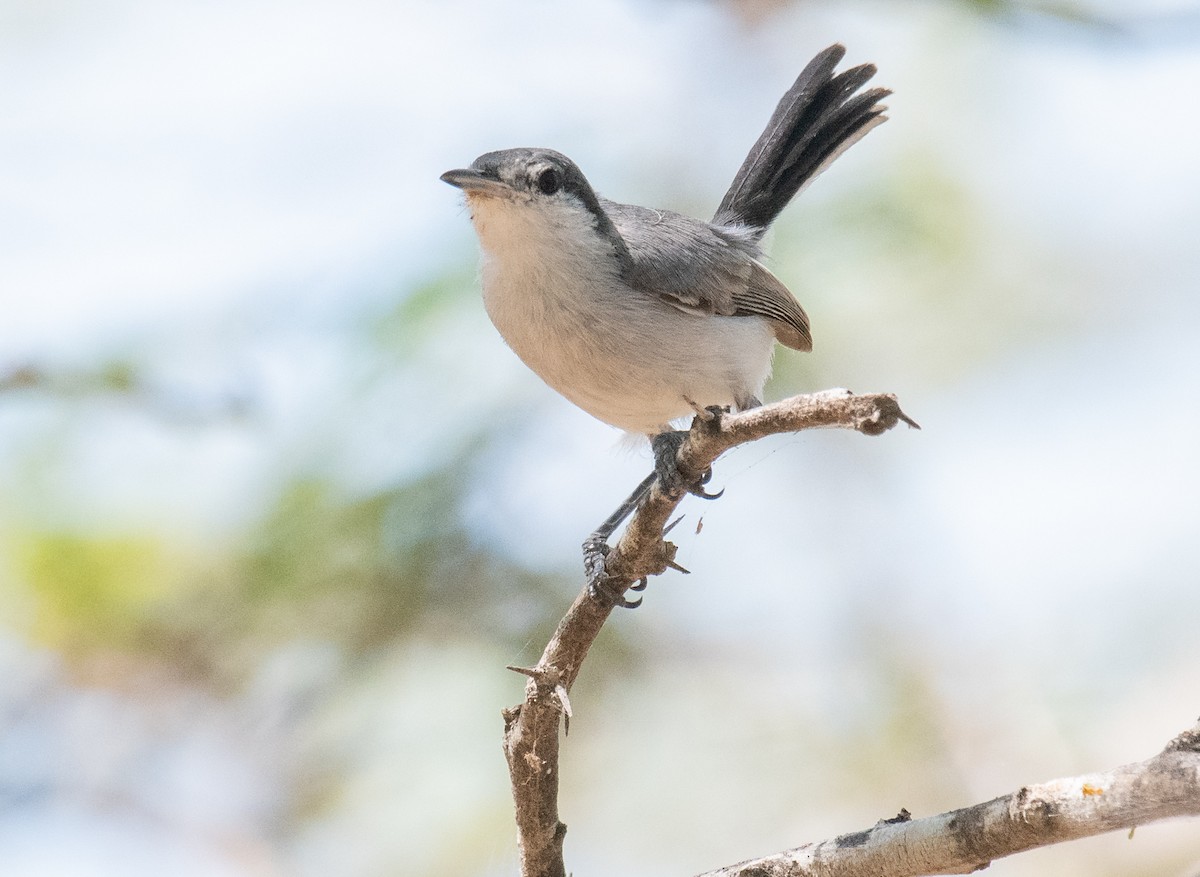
[[602, 587], [666, 447]]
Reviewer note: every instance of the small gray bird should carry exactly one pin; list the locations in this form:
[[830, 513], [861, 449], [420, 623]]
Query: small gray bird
[[643, 316]]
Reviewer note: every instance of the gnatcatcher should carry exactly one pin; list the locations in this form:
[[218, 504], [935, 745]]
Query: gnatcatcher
[[643, 316]]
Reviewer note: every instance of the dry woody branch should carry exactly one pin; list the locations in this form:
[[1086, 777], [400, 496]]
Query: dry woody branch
[[958, 842], [967, 840], [531, 730]]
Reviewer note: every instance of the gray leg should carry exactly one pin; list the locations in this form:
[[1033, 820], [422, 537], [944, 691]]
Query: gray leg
[[596, 548]]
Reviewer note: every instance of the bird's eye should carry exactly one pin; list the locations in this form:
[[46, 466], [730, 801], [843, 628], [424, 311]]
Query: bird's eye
[[549, 181]]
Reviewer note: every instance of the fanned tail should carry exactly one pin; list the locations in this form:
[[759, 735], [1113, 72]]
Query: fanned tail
[[818, 119]]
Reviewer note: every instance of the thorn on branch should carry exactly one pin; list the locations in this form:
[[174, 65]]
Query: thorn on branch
[[560, 691], [546, 678], [705, 415]]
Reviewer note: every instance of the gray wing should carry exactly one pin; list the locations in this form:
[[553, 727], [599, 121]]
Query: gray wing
[[705, 269]]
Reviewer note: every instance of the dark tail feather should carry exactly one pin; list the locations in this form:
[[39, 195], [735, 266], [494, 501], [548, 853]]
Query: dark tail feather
[[818, 119]]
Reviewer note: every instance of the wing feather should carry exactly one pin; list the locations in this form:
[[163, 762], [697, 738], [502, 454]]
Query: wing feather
[[766, 296], [704, 269]]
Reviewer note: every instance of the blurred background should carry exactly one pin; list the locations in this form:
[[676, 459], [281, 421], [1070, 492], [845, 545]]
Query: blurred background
[[277, 505]]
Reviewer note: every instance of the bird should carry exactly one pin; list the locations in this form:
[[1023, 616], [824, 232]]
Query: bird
[[643, 316]]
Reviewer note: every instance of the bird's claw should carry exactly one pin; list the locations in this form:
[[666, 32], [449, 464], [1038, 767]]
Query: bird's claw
[[697, 489], [603, 591], [666, 465], [600, 586]]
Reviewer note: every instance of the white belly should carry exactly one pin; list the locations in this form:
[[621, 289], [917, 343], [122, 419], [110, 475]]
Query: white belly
[[625, 357]]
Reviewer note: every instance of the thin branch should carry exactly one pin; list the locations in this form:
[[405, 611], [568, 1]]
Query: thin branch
[[963, 841], [531, 739], [958, 842], [642, 550]]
